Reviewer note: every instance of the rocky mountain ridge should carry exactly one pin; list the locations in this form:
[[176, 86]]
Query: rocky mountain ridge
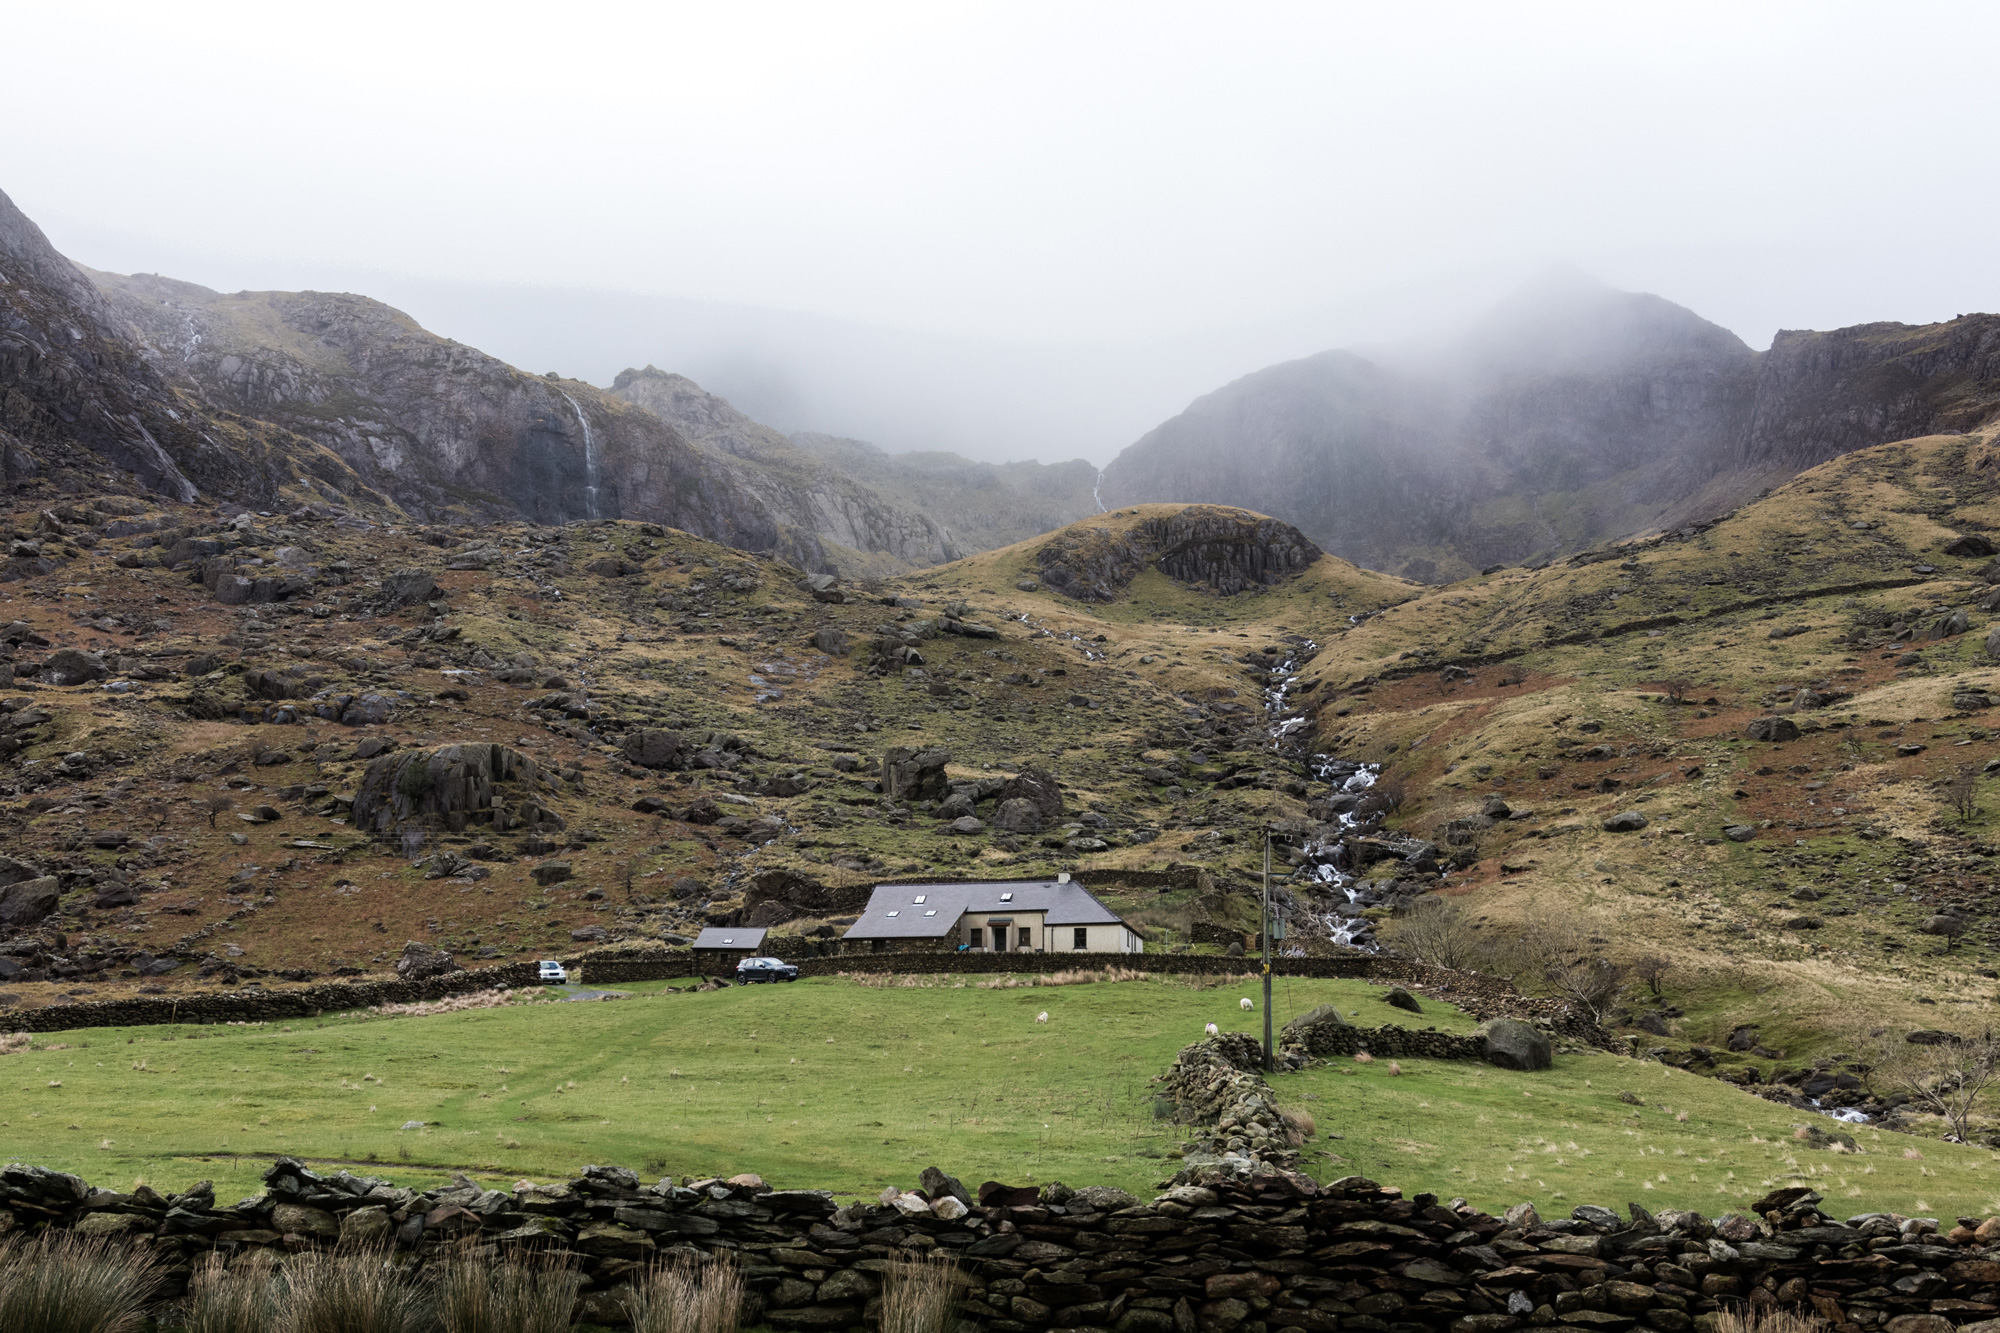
[[1570, 417]]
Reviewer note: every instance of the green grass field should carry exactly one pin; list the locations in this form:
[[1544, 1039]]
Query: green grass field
[[833, 1084]]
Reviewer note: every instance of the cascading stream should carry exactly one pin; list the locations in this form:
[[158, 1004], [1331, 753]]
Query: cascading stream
[[589, 457], [1330, 897]]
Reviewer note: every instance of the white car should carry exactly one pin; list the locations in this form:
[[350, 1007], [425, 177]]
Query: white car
[[552, 973]]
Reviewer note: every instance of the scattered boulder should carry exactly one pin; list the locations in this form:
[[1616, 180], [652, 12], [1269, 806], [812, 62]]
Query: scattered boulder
[[915, 775], [968, 824], [1948, 626], [1512, 1044], [407, 587], [652, 747], [552, 872], [1319, 1031], [1037, 786], [1017, 815], [1738, 832], [1772, 729], [831, 641], [826, 588], [71, 666], [27, 901], [420, 961], [1398, 998], [1626, 821], [1971, 545]]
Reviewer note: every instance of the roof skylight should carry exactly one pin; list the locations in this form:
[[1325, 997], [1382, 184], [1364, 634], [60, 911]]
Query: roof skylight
[[891, 912]]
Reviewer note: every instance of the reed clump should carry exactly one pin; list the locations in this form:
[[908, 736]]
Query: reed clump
[[60, 1283]]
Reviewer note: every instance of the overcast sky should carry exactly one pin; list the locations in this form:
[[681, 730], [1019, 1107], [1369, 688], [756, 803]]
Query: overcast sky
[[1085, 184]]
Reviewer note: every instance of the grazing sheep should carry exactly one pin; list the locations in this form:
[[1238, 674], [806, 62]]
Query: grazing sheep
[[1363, 1058], [1394, 1069], [1245, 1003], [1212, 1030], [1042, 1017]]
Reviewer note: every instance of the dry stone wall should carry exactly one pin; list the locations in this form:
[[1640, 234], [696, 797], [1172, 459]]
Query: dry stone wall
[[1220, 1253]]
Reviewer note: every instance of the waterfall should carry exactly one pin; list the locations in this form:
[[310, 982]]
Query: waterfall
[[589, 457], [1097, 491]]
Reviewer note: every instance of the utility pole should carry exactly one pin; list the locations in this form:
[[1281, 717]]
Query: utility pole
[[1269, 1064]]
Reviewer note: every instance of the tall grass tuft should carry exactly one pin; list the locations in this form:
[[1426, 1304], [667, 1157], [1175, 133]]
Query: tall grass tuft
[[519, 1296], [357, 1292], [1746, 1319], [687, 1296], [230, 1300], [58, 1283], [919, 1295]]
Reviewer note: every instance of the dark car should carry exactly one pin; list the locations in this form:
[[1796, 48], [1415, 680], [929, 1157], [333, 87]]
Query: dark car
[[765, 969]]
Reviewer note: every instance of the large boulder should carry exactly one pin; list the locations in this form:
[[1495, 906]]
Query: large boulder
[[13, 872], [652, 747], [407, 587], [1017, 815], [915, 775], [71, 666], [1037, 786], [449, 787], [24, 903], [1772, 729], [1512, 1044], [1626, 821], [1947, 626], [421, 961]]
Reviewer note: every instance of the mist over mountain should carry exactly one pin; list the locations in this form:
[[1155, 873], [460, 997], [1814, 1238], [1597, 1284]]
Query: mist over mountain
[[1571, 414]]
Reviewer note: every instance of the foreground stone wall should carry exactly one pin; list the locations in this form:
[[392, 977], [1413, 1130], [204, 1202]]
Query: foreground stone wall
[[1255, 1252]]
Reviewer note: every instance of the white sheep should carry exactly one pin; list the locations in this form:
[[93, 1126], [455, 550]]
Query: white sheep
[[1212, 1030], [1042, 1017], [1245, 1003]]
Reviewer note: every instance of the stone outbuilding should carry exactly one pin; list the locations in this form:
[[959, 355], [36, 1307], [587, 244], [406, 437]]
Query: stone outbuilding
[[720, 948]]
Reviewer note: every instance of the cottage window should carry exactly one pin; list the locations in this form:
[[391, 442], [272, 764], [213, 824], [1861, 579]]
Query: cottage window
[[1083, 937], [975, 938]]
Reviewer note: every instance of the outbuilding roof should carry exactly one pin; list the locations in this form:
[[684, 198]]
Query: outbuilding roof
[[748, 939], [923, 911]]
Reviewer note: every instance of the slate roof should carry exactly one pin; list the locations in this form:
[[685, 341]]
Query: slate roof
[[1059, 904], [747, 938]]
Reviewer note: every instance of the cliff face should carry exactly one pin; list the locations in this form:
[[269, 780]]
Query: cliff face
[[444, 429], [1568, 418], [802, 490], [1820, 395], [82, 405]]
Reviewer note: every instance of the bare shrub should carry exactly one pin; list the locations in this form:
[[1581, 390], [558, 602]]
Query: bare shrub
[[321, 1292], [1558, 947], [474, 1296], [1438, 931], [919, 1295], [1651, 970], [1078, 977], [11, 1042], [1677, 690], [59, 1283], [451, 1004], [1962, 792], [684, 1296], [216, 804], [1945, 1078]]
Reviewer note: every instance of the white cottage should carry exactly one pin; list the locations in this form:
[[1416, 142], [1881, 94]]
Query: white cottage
[[1018, 916]]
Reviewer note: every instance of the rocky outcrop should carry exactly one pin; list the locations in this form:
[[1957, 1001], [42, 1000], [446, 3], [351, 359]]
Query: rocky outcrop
[[449, 787], [915, 775], [1225, 551]]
